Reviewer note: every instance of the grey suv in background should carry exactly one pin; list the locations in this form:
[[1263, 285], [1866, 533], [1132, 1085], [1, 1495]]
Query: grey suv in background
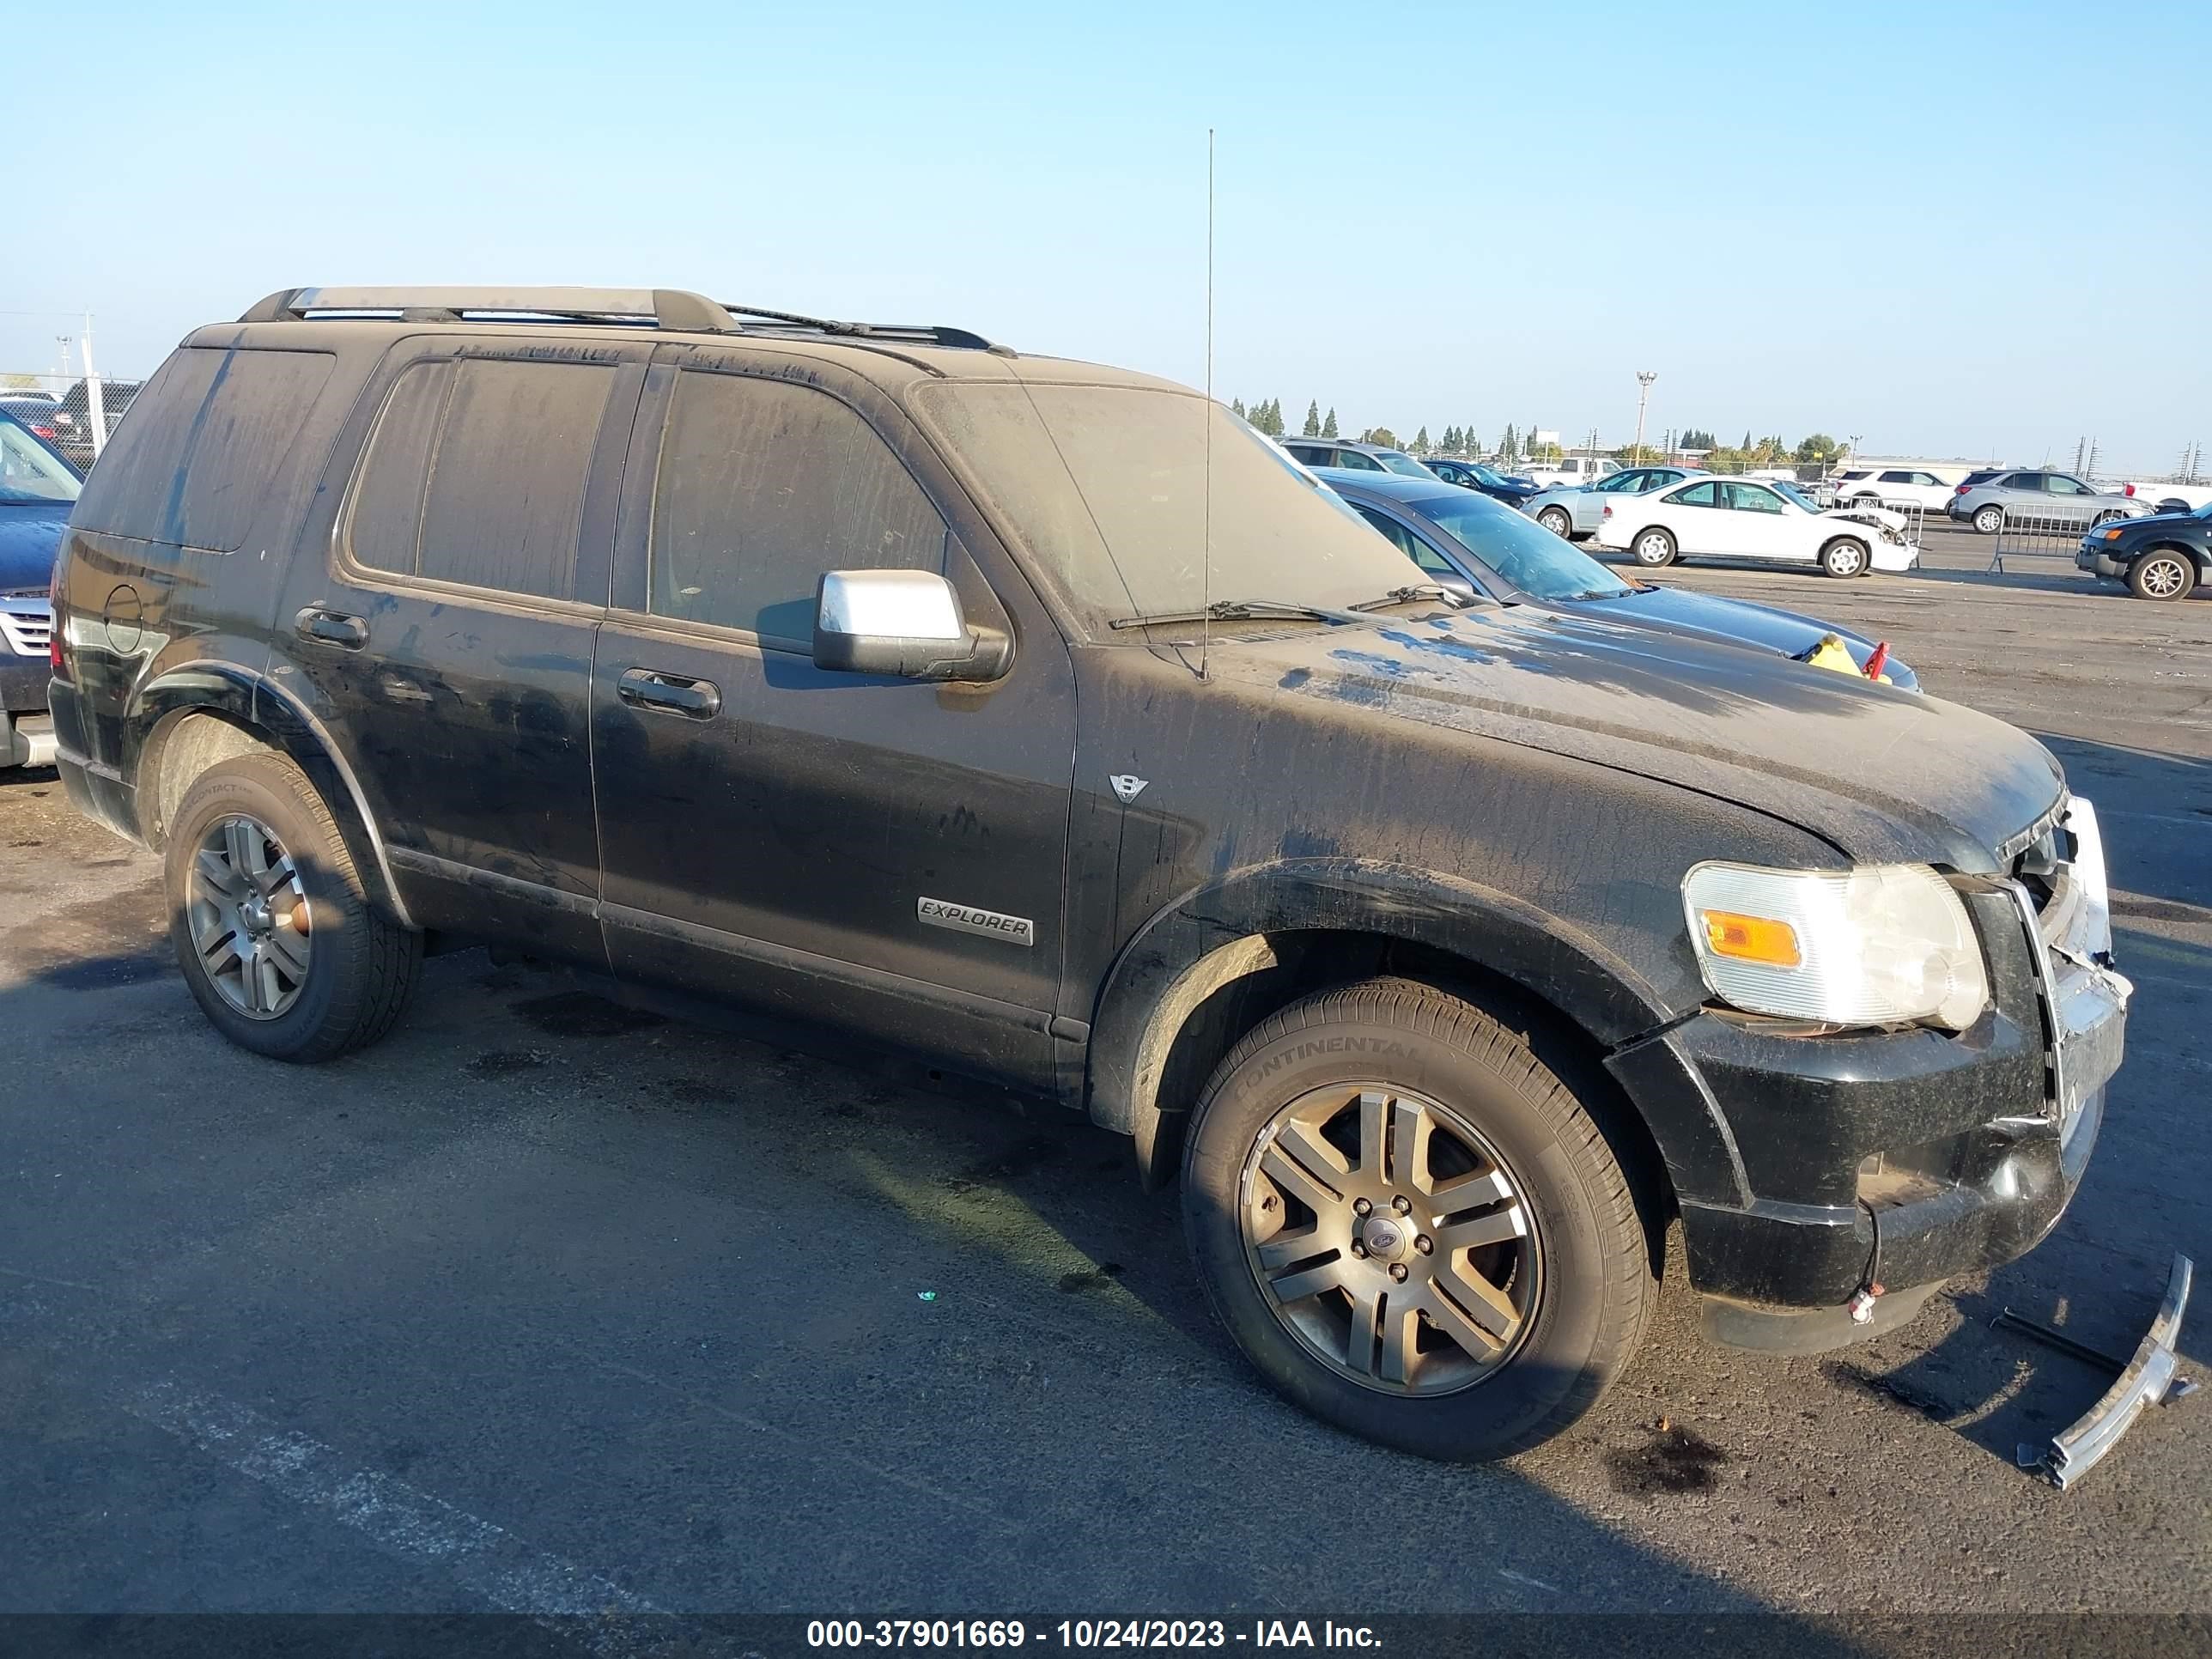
[[1355, 456], [1575, 510], [2038, 500]]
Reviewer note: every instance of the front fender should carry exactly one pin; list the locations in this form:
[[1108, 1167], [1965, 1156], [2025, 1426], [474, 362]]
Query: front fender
[[1200, 941]]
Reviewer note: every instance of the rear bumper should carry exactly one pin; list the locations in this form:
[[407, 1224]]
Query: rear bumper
[[96, 790], [1905, 1157]]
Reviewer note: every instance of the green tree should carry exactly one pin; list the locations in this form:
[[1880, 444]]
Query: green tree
[[1421, 441], [1236, 408], [1328, 426], [1509, 447], [1451, 440], [1726, 459], [1382, 435], [1696, 438], [1820, 447], [1313, 419]]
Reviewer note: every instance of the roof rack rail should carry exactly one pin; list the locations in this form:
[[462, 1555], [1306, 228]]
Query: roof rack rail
[[658, 307], [903, 333], [667, 308]]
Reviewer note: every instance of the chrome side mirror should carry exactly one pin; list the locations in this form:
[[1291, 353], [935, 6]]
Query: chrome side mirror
[[904, 623]]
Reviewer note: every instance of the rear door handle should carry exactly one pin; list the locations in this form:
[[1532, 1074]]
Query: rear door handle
[[643, 688], [331, 627]]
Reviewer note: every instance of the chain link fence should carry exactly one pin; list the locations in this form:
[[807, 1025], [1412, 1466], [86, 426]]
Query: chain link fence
[[75, 413]]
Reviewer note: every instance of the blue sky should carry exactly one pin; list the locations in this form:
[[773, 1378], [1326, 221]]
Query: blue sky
[[1427, 214]]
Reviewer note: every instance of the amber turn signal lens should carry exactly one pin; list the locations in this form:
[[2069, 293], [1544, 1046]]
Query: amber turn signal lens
[[1751, 938]]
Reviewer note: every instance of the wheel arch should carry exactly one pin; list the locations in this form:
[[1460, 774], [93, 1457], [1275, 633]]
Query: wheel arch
[[185, 721], [1212, 964]]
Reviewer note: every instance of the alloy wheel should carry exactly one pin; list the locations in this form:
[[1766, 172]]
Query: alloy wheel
[[2161, 578], [249, 918], [1555, 521], [1390, 1239]]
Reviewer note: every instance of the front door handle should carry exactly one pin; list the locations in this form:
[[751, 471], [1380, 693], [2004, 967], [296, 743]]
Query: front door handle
[[331, 627], [643, 688]]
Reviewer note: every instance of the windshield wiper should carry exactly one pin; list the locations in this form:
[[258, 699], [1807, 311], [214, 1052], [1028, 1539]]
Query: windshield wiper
[[1239, 610], [1418, 591]]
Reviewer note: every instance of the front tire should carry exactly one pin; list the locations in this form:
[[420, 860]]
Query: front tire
[[275, 935], [1845, 557], [1555, 519], [1989, 519], [1411, 1226], [2162, 573], [1656, 548]]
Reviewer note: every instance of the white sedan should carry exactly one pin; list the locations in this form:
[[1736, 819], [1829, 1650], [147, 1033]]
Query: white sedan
[[1745, 519]]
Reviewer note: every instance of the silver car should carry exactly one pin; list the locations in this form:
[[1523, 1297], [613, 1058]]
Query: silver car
[[1575, 510], [2039, 500]]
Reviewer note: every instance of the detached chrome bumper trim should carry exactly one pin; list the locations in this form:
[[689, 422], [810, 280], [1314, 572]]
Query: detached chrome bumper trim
[[2149, 1380]]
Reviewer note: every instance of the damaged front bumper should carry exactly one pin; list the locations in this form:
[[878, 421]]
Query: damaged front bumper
[[2148, 1379], [1906, 1158]]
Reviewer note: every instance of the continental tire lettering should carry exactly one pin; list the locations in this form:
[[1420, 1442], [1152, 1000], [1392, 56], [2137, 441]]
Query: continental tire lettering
[[1312, 1048]]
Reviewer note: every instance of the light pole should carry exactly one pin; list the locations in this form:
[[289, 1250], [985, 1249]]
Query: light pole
[[1644, 379]]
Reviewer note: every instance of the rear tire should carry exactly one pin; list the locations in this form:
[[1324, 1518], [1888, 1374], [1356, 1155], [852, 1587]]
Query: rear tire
[[275, 935], [2162, 573], [1530, 1220], [1845, 557], [1555, 519], [1989, 519], [1656, 548]]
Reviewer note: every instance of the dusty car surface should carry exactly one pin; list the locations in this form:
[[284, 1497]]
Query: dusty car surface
[[1036, 721]]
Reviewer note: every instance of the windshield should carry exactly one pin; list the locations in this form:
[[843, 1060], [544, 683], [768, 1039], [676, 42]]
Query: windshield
[[1486, 475], [1405, 464], [2203, 512], [28, 471], [1531, 558], [1793, 493], [1109, 490]]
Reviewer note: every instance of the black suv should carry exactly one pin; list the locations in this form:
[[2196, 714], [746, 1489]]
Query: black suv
[[1039, 721]]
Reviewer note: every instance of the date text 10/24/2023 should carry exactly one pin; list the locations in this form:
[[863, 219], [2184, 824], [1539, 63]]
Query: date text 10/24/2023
[[1085, 1633]]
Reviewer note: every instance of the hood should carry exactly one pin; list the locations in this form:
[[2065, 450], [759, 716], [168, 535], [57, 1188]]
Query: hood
[[30, 536], [1708, 615], [2161, 517], [1883, 774]]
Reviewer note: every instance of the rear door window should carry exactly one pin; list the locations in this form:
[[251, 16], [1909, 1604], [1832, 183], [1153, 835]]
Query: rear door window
[[764, 486], [2025, 481], [476, 474], [204, 446], [1707, 494]]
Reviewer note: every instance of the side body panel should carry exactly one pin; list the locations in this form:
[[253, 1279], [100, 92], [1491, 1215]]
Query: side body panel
[[1264, 808], [463, 711], [776, 851]]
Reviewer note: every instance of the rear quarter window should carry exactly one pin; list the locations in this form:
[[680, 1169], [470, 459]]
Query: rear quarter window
[[212, 432]]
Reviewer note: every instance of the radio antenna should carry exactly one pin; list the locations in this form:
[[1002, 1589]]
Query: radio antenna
[[1206, 565]]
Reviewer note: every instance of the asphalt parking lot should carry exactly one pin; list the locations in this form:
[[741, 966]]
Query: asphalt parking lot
[[545, 1305]]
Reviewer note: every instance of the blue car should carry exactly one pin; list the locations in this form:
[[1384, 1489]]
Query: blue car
[[1467, 542], [37, 489]]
